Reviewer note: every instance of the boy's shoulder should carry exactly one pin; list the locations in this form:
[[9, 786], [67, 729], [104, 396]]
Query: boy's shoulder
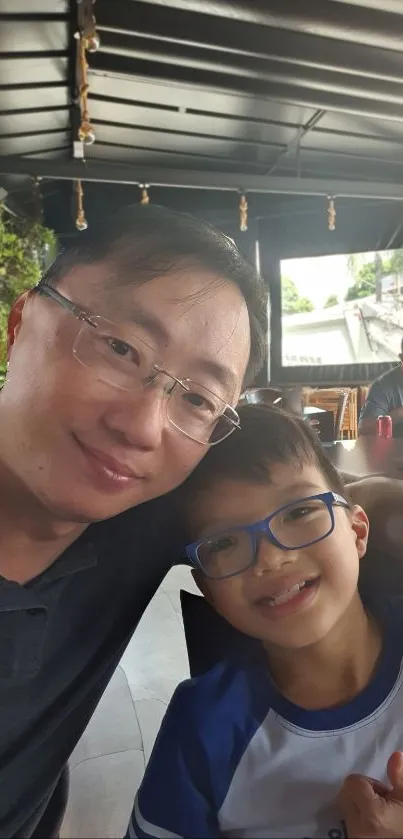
[[227, 695]]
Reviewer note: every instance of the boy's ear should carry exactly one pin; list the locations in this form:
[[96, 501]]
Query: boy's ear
[[202, 585], [360, 526]]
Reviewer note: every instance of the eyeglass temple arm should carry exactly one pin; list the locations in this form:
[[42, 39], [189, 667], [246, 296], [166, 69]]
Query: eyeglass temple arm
[[339, 500], [64, 302]]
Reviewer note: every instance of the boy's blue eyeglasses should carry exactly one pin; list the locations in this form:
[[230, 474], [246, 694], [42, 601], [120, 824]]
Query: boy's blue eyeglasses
[[295, 525]]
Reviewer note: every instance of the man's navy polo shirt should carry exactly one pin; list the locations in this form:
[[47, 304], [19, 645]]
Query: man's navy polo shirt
[[61, 637]]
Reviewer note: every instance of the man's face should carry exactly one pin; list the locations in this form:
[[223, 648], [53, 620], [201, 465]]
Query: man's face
[[84, 448]]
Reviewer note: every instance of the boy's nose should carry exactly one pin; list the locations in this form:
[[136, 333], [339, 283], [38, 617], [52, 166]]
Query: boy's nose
[[271, 557]]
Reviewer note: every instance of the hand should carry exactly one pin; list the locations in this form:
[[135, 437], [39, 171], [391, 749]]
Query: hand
[[372, 810]]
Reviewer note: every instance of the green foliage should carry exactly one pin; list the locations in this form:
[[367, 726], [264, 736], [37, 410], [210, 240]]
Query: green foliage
[[365, 274], [396, 262], [291, 301], [332, 300], [25, 249], [365, 282]]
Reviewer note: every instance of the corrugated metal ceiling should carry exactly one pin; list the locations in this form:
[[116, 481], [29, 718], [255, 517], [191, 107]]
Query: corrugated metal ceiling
[[286, 89]]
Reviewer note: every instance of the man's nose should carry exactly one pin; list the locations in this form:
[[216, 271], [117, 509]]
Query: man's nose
[[271, 557], [138, 418]]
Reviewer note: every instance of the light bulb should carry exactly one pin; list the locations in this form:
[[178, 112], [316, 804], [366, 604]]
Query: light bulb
[[86, 133], [92, 42], [81, 223]]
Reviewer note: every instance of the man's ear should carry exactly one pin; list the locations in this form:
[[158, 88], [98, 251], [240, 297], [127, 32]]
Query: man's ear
[[360, 526], [14, 320]]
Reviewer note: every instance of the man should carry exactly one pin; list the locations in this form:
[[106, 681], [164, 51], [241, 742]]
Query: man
[[125, 364], [385, 398]]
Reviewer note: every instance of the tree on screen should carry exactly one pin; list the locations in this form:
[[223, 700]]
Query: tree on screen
[[364, 281], [332, 300], [368, 275], [291, 301]]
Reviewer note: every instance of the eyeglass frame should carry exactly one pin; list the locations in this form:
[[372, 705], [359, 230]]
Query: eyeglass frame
[[330, 499], [86, 317]]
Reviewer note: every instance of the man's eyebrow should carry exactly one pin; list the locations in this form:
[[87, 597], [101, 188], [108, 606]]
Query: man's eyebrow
[[154, 326], [149, 322], [217, 371]]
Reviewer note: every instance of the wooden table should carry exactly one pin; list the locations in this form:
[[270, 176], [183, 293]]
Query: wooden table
[[367, 456]]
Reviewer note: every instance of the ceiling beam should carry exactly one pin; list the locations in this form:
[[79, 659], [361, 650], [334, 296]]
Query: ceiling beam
[[194, 179], [293, 147]]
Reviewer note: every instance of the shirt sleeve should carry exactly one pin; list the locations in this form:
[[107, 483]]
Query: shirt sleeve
[[377, 404], [173, 800]]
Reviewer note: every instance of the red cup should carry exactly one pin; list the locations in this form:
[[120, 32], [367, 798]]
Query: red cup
[[385, 426]]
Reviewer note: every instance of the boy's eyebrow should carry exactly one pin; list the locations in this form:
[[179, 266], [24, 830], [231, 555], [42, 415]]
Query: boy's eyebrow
[[309, 486]]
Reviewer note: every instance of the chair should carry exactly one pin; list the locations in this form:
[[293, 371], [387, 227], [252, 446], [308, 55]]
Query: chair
[[288, 398], [323, 423], [349, 429], [262, 396], [334, 400], [209, 638]]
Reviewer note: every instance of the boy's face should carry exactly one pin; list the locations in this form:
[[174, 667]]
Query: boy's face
[[266, 601]]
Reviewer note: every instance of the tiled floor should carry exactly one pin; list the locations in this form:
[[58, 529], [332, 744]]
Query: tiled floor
[[108, 763]]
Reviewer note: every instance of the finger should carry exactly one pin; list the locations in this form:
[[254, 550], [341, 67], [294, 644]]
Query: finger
[[395, 775], [360, 785], [357, 793]]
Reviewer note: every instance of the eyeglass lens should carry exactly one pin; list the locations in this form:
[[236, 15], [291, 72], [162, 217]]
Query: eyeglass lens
[[193, 409], [296, 526]]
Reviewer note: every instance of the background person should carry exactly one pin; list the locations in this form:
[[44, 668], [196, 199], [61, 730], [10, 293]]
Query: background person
[[385, 398]]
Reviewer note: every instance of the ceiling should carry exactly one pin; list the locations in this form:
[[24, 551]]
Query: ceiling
[[203, 99]]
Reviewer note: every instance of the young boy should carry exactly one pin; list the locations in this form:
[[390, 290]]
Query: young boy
[[260, 745]]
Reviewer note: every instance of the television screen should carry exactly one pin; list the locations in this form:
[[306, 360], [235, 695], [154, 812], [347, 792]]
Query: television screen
[[342, 309]]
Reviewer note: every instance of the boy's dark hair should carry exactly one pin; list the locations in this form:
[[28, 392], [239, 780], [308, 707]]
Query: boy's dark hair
[[268, 436], [145, 242]]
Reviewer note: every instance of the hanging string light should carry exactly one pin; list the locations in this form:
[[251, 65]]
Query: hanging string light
[[86, 133], [243, 213], [81, 221], [92, 41], [89, 25], [331, 213], [145, 198]]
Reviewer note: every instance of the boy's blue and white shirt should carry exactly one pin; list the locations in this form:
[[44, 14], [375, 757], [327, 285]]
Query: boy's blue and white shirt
[[235, 759]]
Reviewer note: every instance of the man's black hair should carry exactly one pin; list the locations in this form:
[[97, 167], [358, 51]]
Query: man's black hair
[[268, 436], [145, 242]]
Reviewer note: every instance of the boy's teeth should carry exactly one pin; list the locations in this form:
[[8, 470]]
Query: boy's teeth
[[286, 595]]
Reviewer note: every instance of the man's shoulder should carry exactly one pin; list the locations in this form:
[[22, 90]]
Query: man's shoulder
[[153, 522], [141, 545], [389, 379]]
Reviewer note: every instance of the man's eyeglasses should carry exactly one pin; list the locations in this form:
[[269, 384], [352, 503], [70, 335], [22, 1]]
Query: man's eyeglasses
[[295, 525], [125, 361]]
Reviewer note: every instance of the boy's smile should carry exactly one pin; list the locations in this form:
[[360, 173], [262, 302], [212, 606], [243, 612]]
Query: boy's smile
[[288, 598]]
